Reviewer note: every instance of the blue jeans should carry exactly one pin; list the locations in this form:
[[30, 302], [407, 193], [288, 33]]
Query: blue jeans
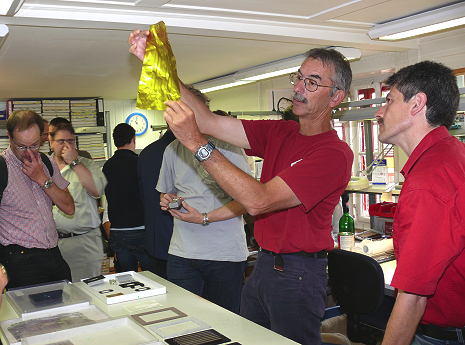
[[421, 339], [292, 302], [128, 246], [219, 282]]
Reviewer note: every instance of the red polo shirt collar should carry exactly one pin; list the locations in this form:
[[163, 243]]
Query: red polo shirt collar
[[428, 141]]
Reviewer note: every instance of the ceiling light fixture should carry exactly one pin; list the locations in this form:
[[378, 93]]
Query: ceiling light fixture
[[265, 71], [419, 24], [10, 7]]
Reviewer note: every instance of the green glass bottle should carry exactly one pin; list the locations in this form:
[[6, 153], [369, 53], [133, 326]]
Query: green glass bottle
[[346, 236]]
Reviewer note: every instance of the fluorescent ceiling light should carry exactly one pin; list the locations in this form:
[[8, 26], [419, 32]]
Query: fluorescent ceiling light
[[423, 23], [10, 7], [265, 71], [3, 30], [222, 86]]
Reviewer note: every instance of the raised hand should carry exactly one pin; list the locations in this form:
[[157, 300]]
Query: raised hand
[[32, 167], [181, 120], [138, 42], [69, 153]]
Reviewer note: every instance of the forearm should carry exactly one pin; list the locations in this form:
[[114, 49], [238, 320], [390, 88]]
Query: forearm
[[230, 210], [61, 198], [225, 128], [405, 317], [86, 179]]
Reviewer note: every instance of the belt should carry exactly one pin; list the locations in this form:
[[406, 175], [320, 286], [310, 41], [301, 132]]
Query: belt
[[69, 234], [444, 333], [316, 255], [13, 249]]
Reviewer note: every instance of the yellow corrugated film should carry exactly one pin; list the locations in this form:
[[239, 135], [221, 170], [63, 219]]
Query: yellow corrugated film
[[159, 79]]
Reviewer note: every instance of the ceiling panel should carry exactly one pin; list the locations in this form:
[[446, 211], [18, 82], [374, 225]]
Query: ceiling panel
[[300, 8], [393, 9]]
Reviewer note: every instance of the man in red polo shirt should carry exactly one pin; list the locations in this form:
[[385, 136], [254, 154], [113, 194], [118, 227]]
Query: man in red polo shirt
[[429, 225], [306, 169]]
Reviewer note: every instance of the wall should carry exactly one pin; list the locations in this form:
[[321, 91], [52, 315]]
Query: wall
[[120, 109]]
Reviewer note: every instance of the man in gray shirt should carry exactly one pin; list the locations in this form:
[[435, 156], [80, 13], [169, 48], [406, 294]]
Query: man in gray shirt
[[208, 250]]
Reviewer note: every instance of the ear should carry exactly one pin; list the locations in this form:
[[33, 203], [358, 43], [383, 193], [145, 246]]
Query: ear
[[418, 104], [337, 98]]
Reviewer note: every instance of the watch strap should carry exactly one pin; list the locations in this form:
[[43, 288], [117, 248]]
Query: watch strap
[[74, 163], [47, 184]]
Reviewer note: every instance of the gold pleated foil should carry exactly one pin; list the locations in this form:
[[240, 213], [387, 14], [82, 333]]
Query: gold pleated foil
[[159, 79]]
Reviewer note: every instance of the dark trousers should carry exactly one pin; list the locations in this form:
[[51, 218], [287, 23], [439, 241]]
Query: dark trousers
[[292, 302], [128, 246], [219, 282], [30, 266], [157, 266]]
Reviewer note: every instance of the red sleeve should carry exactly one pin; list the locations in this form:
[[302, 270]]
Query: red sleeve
[[426, 240], [318, 175]]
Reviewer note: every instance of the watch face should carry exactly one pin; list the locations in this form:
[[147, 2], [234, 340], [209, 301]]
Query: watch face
[[139, 122], [203, 153]]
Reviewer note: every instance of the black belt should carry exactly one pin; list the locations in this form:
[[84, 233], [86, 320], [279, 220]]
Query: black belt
[[444, 333], [316, 255], [13, 249], [69, 234]]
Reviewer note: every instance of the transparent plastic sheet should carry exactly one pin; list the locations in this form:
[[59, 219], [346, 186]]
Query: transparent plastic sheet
[[159, 79]]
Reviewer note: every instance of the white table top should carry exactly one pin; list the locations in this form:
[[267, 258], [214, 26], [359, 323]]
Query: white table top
[[229, 324]]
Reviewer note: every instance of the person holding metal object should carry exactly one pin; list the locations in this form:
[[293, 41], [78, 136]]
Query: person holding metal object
[[306, 169]]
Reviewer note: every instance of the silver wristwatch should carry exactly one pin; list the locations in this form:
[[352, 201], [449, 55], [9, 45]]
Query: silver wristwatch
[[47, 184], [74, 163], [205, 220], [204, 152]]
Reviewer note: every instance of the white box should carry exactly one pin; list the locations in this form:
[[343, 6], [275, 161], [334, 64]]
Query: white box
[[110, 290]]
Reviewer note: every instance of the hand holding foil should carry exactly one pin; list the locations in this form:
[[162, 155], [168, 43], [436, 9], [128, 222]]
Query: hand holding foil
[[159, 79]]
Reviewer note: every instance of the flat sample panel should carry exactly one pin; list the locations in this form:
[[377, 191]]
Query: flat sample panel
[[175, 328], [122, 331], [54, 320], [208, 337], [34, 299], [156, 316]]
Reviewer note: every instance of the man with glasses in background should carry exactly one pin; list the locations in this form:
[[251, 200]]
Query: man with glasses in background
[[28, 236], [306, 169], [80, 238]]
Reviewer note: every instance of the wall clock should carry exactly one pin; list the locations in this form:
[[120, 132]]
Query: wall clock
[[139, 122]]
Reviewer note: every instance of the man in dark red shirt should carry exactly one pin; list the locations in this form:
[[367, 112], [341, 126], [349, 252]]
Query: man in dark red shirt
[[429, 225], [306, 169]]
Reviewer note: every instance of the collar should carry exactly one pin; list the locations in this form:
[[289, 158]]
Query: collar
[[12, 157], [428, 141], [124, 151]]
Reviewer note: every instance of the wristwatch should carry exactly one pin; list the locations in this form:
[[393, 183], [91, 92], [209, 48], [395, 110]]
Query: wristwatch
[[204, 152], [47, 184], [205, 219], [74, 163]]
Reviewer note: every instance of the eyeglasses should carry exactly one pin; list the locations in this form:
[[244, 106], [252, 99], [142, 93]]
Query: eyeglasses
[[310, 84], [62, 141], [24, 148]]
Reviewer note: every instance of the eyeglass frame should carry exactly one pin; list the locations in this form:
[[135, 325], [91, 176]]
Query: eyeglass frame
[[23, 148], [299, 76], [63, 141]]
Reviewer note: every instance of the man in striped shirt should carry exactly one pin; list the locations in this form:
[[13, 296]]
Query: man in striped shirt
[[28, 236]]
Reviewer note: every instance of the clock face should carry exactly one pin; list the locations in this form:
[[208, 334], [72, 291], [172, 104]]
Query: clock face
[[139, 122]]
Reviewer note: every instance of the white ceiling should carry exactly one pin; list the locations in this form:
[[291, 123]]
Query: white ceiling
[[64, 48]]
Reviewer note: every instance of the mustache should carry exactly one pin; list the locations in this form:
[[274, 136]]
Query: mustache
[[299, 97]]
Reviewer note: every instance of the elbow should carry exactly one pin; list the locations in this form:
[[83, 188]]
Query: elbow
[[256, 208]]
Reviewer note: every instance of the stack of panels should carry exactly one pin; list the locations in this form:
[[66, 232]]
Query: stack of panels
[[84, 112], [92, 143], [28, 105], [52, 108], [4, 142]]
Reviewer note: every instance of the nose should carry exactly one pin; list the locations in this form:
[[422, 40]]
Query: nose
[[380, 112], [299, 86]]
